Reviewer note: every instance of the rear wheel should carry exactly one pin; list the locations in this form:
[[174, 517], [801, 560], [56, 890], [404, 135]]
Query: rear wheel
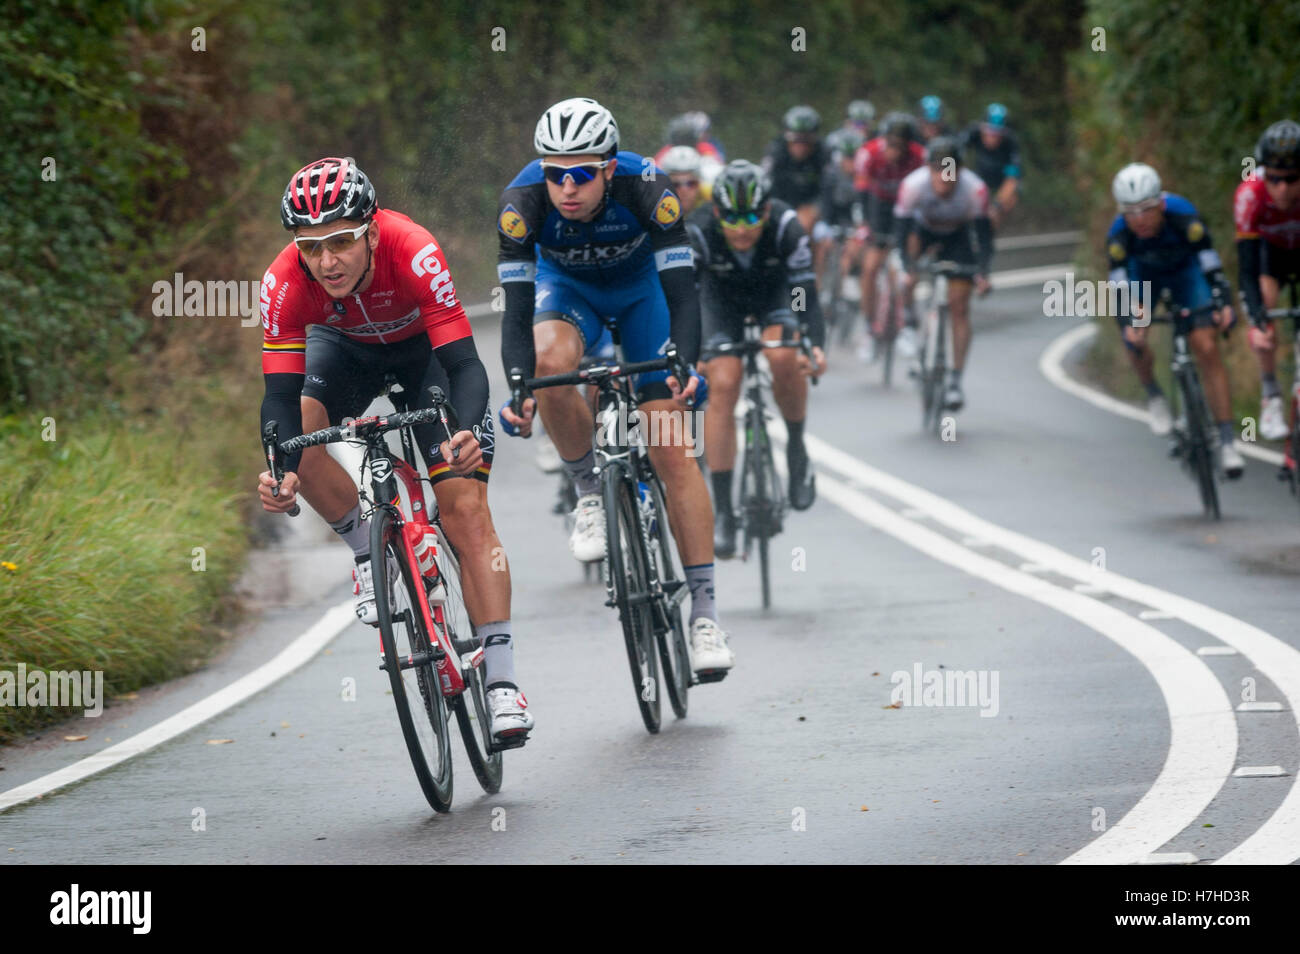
[[629, 576], [887, 306], [421, 706]]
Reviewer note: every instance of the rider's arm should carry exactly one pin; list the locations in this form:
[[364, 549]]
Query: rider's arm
[[1248, 266], [673, 259], [516, 270], [904, 222], [1118, 257], [282, 404], [284, 348], [796, 254], [984, 236], [468, 379], [1198, 234]]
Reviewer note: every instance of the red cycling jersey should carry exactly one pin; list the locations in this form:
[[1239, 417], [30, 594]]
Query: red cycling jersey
[[874, 173], [412, 291], [1256, 216]]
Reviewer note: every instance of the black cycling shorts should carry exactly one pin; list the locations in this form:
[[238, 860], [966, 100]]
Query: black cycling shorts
[[958, 246], [880, 220], [723, 322], [346, 375]]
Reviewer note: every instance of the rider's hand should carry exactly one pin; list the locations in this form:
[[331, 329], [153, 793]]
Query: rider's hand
[[679, 395], [288, 492], [815, 368], [524, 423], [982, 285], [1225, 318], [1137, 337], [469, 457], [1262, 340]]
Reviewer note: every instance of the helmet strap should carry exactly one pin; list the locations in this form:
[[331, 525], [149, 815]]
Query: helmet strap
[[369, 259]]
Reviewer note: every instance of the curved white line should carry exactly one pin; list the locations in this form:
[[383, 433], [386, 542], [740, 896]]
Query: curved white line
[[290, 658]]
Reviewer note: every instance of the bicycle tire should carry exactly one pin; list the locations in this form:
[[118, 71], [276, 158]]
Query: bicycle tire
[[674, 652], [473, 717], [629, 578], [757, 501], [1199, 445], [402, 633], [889, 331]]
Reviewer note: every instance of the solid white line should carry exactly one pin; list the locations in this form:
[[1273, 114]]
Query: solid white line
[[1277, 841], [1170, 858], [1203, 732], [1037, 241], [1215, 650], [1051, 364], [1258, 771], [1260, 707], [1023, 277], [301, 650]]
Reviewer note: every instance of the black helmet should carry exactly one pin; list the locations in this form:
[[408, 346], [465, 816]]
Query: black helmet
[[1279, 147], [898, 125], [801, 119], [942, 148], [327, 190], [741, 187]]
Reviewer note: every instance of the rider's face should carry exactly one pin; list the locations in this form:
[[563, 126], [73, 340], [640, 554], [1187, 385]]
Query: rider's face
[[1284, 194], [1146, 223], [339, 272], [574, 201]]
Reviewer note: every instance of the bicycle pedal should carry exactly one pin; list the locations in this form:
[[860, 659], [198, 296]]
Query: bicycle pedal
[[712, 675], [515, 741]]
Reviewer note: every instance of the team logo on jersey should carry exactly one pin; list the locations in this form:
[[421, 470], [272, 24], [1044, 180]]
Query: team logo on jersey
[[1195, 232], [1116, 252], [668, 210], [513, 224]]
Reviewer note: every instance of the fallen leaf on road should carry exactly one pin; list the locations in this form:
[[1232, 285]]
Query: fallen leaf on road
[[75, 738], [893, 705], [864, 809], [219, 741]]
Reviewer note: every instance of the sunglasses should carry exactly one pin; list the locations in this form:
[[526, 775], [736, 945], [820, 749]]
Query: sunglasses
[[581, 174], [1140, 207], [1278, 180], [686, 183], [740, 220], [335, 242]]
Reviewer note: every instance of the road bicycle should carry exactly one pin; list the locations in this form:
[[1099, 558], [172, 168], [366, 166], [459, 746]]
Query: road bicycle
[[1291, 455], [641, 571], [762, 500], [1193, 437], [428, 646], [936, 338]]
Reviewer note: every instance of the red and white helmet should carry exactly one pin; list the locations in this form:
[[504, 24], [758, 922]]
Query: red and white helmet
[[326, 190]]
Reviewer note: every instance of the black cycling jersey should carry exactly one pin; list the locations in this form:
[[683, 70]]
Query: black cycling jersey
[[775, 268], [993, 165], [838, 196], [798, 183]]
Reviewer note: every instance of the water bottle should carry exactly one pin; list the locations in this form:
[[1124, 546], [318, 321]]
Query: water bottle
[[647, 509]]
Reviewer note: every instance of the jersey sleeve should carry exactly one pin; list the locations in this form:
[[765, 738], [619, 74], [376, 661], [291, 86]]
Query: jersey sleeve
[[908, 192], [1245, 211], [424, 272], [796, 255], [657, 208], [283, 307]]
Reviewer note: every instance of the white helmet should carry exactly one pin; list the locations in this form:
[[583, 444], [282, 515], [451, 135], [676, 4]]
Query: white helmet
[[680, 159], [576, 127], [1137, 182]]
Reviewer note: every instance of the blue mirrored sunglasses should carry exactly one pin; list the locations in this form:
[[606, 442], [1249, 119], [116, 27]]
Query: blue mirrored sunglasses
[[581, 174]]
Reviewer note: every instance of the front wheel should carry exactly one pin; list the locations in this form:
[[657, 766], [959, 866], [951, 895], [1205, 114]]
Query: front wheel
[[1199, 447], [630, 579], [408, 658], [674, 654]]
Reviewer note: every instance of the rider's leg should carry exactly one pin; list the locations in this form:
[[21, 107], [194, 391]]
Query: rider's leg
[[690, 516], [565, 411], [724, 375], [959, 292], [1213, 374]]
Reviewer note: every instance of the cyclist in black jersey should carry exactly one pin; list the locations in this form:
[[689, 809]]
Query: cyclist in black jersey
[[994, 155], [752, 258], [795, 163], [930, 118]]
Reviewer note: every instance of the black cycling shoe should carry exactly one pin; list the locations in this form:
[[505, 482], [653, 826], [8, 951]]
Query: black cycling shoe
[[803, 486], [724, 534]]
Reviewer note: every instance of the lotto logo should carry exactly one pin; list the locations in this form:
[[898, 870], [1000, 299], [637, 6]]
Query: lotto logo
[[425, 262]]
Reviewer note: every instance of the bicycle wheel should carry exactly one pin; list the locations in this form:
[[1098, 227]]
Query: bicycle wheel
[[930, 372], [1199, 446], [889, 328], [473, 717], [940, 369], [758, 487], [674, 654], [408, 657], [629, 577]]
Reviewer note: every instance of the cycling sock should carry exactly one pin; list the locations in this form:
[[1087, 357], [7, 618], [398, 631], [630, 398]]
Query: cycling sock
[[583, 473], [1268, 386], [1153, 389], [498, 654], [954, 375], [796, 456], [700, 579], [721, 490], [1225, 433], [355, 532]]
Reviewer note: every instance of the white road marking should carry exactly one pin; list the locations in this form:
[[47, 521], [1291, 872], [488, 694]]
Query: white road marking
[[1277, 841], [1022, 277], [1036, 241], [1051, 364], [1215, 650], [1258, 771], [1260, 707], [1170, 858], [300, 651], [1155, 614]]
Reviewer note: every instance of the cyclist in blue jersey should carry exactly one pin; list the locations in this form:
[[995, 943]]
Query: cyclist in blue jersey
[[1159, 237], [589, 233]]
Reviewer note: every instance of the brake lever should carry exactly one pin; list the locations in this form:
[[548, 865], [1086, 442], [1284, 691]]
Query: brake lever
[[271, 445]]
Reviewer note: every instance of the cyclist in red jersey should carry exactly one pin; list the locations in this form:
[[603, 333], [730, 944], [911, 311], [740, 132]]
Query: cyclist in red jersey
[[1266, 211], [879, 167], [361, 293]]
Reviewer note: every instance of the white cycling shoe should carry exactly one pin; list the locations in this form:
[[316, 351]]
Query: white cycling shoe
[[907, 344], [548, 458], [711, 657], [511, 720], [363, 588], [1161, 420], [1272, 423], [587, 542]]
